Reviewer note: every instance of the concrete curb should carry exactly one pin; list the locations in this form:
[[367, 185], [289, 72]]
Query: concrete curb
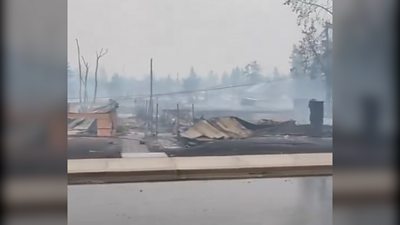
[[139, 169]]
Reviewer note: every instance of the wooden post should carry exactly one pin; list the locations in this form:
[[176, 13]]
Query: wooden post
[[177, 120], [193, 113]]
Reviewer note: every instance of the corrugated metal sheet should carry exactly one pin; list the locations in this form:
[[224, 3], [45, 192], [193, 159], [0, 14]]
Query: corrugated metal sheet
[[75, 122], [204, 129], [112, 105], [87, 124], [81, 126], [217, 128], [104, 107], [232, 127]]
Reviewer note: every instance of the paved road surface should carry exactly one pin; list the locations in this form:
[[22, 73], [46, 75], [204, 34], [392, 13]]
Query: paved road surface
[[277, 201]]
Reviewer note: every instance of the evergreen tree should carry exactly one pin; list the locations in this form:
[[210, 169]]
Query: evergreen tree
[[192, 82], [252, 72]]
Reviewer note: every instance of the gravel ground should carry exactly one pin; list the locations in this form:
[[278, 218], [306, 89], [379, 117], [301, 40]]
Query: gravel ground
[[93, 147]]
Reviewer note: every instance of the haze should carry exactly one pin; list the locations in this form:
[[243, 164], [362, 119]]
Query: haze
[[206, 34]]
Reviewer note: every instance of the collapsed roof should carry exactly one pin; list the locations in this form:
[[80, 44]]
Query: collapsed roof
[[103, 107], [229, 127], [81, 126]]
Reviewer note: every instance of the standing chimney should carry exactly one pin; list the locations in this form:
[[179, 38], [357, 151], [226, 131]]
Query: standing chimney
[[316, 117]]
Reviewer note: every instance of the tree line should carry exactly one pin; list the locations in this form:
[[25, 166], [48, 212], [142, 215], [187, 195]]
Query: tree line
[[120, 85]]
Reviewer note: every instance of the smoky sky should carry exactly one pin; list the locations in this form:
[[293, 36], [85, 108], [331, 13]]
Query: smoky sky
[[209, 35]]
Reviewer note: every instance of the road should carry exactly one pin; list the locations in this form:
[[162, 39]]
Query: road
[[278, 201]]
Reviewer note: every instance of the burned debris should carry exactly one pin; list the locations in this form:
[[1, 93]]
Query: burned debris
[[98, 120]]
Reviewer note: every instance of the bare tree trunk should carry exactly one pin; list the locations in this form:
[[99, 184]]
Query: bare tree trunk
[[328, 73], [95, 80], [98, 56], [86, 93], [85, 97], [80, 72]]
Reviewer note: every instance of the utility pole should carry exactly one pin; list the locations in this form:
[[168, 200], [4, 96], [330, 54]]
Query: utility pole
[[146, 107], [151, 97], [193, 112], [177, 120], [157, 119]]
